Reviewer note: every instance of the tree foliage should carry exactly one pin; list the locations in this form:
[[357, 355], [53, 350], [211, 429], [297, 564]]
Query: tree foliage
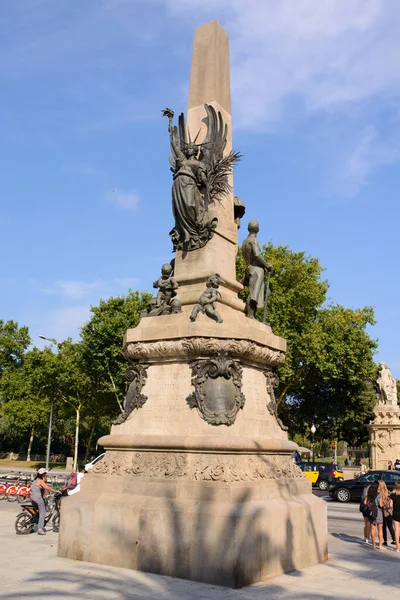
[[327, 376], [102, 353], [26, 394], [14, 341]]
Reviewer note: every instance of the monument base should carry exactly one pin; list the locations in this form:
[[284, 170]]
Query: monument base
[[230, 520]]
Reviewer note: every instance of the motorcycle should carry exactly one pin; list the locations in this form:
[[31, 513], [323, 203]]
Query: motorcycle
[[27, 521]]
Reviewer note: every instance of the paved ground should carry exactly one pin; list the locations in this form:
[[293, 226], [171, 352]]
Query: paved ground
[[30, 569]]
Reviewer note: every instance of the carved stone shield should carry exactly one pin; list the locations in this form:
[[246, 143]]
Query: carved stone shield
[[136, 376], [218, 395]]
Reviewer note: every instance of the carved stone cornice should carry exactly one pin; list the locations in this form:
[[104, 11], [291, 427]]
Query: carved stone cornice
[[386, 416], [198, 346], [197, 467]]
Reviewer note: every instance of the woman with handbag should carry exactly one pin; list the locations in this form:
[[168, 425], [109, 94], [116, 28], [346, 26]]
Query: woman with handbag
[[387, 509]]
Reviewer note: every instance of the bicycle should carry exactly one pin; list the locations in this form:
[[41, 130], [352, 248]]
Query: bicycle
[[6, 485], [20, 490], [26, 521]]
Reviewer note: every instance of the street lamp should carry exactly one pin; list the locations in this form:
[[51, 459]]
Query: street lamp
[[53, 341], [313, 430]]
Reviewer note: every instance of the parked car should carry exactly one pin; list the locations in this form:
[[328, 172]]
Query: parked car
[[352, 489], [328, 474], [91, 464]]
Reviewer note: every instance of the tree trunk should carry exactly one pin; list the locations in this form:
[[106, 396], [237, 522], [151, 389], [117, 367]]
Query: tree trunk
[[78, 412], [28, 454], [90, 440]]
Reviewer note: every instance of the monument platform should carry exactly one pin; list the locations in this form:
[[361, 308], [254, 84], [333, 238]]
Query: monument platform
[[180, 496]]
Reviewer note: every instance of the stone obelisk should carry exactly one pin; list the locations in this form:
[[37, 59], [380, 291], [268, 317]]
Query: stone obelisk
[[197, 481], [210, 84]]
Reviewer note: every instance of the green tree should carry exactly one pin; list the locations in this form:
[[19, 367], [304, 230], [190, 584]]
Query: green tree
[[73, 385], [14, 341], [328, 369], [102, 353], [27, 393]]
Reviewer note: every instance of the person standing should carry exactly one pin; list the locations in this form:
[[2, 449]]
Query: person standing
[[373, 502], [363, 468], [367, 522], [39, 487], [387, 509], [390, 465], [395, 497]]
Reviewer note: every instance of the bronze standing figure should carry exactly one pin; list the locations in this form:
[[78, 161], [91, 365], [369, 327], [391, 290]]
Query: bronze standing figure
[[256, 267]]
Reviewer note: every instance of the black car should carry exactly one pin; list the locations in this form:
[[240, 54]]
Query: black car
[[352, 489], [328, 473]]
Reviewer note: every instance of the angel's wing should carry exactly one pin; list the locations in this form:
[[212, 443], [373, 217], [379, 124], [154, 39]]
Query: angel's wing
[[178, 140], [212, 149], [218, 166]]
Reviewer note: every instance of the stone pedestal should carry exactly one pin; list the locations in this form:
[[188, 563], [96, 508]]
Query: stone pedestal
[[384, 436], [179, 496], [232, 520]]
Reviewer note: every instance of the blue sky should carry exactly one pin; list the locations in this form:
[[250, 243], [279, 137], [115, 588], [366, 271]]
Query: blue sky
[[85, 183]]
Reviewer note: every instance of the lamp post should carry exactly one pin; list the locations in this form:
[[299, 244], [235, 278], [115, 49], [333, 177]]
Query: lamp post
[[53, 341], [313, 430]]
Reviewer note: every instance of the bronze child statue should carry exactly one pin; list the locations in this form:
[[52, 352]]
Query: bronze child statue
[[166, 285], [207, 299]]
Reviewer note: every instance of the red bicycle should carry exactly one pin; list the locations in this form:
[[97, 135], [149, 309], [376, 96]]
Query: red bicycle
[[19, 490]]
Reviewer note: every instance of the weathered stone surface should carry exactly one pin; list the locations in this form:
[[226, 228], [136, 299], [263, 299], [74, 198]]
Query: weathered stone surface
[[203, 534], [236, 330], [384, 430], [384, 436], [210, 84], [192, 466], [210, 75], [387, 388], [166, 411]]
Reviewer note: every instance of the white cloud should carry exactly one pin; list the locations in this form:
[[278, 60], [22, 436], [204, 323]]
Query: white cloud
[[67, 321], [126, 200], [368, 154], [127, 282], [76, 298], [91, 290], [75, 290], [81, 169], [296, 59], [321, 55]]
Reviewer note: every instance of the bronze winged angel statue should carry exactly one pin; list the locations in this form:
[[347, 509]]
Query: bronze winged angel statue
[[200, 174]]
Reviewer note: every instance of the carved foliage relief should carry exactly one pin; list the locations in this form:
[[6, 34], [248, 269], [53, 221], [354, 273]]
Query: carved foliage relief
[[204, 346], [198, 467]]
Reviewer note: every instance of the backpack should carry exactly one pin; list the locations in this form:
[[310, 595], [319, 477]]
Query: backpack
[[387, 510], [370, 510], [71, 482]]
